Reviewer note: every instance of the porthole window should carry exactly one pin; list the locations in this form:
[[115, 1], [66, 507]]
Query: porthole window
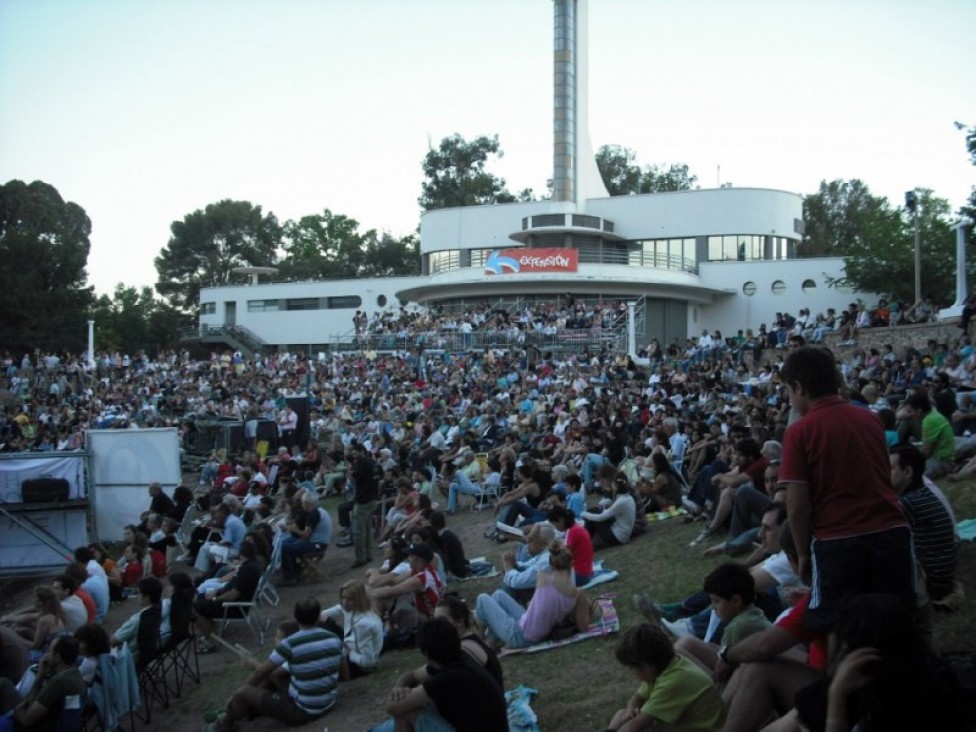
[[749, 289], [381, 301], [809, 286], [778, 287]]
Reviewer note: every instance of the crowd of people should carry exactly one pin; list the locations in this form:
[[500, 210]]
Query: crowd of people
[[814, 477]]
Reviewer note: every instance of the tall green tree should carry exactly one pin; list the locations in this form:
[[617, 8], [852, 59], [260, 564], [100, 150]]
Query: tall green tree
[[389, 256], [323, 246], [208, 244], [877, 241], [455, 174], [44, 249], [623, 176], [134, 320], [844, 214]]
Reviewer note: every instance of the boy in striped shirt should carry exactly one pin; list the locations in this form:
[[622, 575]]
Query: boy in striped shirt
[[313, 655]]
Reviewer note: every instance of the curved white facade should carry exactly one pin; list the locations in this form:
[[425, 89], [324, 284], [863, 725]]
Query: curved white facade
[[709, 288]]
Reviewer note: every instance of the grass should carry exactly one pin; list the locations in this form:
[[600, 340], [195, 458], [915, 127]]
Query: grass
[[579, 685]]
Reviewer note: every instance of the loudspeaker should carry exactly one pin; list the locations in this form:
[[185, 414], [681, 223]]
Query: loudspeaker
[[44, 490]]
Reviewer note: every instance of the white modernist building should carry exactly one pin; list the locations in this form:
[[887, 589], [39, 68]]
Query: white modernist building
[[722, 259]]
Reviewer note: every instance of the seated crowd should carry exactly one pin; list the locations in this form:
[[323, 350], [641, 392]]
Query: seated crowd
[[572, 454]]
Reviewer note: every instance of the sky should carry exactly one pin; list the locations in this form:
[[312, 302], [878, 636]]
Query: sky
[[143, 112]]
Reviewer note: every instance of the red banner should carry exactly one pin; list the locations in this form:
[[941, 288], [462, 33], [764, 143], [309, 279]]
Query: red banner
[[521, 261]]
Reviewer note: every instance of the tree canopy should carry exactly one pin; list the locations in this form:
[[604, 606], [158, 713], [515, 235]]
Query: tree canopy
[[877, 241], [134, 320], [843, 215], [331, 246], [208, 244], [455, 174], [623, 177], [44, 247]]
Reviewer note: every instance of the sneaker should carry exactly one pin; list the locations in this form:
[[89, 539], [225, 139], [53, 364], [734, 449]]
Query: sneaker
[[680, 628], [643, 605], [702, 537]]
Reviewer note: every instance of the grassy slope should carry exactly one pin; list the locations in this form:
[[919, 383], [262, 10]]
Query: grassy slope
[[580, 685]]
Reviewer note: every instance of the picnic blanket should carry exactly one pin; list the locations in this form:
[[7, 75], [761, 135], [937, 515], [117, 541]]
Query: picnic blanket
[[607, 623], [521, 716], [600, 575], [669, 514], [967, 530]]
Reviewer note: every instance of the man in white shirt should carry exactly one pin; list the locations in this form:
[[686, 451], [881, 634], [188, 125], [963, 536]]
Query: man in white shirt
[[75, 612], [521, 568]]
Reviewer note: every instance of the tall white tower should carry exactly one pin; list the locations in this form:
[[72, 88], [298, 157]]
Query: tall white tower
[[575, 175]]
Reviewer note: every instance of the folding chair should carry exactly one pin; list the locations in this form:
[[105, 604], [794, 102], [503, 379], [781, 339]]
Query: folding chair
[[114, 693], [490, 492], [180, 652], [252, 611], [149, 665], [187, 525]]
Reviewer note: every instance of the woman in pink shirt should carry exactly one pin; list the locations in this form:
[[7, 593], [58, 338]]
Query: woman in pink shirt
[[556, 599]]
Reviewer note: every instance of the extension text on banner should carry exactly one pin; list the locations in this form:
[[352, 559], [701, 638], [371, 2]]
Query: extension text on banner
[[522, 261]]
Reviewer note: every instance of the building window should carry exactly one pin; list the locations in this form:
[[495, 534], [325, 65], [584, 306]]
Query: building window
[[208, 308], [586, 222], [263, 306], [749, 289], [480, 256], [444, 261], [381, 301], [344, 302], [748, 248], [549, 220], [809, 286], [302, 303], [778, 287]]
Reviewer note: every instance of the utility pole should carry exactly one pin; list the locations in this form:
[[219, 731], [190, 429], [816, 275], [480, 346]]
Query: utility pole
[[911, 203]]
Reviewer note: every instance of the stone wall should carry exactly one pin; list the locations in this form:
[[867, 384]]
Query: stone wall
[[900, 337]]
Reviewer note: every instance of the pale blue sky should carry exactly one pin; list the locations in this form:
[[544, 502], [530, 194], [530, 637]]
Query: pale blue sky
[[142, 112]]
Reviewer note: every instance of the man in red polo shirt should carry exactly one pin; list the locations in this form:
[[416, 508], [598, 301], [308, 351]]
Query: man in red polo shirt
[[850, 532]]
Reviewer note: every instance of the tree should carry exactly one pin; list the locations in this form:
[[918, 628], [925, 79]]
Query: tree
[[324, 246], [207, 245], [134, 320], [620, 174], [842, 215], [675, 177], [455, 175], [877, 241], [392, 257], [623, 177], [44, 249]]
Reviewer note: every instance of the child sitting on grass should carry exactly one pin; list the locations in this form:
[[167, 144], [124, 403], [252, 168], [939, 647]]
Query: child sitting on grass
[[732, 590], [674, 691]]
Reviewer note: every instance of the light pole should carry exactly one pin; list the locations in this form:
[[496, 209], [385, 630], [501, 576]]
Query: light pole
[[911, 203]]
